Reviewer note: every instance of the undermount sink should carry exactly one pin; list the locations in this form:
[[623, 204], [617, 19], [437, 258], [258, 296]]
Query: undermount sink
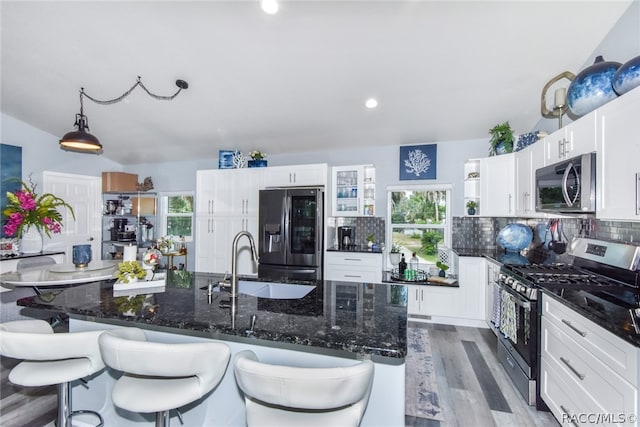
[[273, 290]]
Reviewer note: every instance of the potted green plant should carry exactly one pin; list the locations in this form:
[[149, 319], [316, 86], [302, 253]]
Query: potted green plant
[[443, 268], [471, 207], [502, 138], [395, 255], [257, 159], [130, 271], [370, 239]]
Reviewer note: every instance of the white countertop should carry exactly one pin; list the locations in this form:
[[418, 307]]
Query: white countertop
[[60, 274]]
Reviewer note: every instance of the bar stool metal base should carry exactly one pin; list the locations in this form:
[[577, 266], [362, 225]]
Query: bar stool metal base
[[64, 408]]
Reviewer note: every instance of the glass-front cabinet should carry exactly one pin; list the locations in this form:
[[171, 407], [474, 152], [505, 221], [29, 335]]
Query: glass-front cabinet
[[353, 190]]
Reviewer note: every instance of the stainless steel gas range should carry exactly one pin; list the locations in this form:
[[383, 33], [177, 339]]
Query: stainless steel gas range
[[605, 272]]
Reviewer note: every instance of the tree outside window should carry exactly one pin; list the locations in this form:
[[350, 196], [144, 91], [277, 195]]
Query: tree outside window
[[419, 219], [179, 215]]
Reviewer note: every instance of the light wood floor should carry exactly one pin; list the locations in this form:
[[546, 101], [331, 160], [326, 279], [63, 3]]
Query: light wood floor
[[473, 388]]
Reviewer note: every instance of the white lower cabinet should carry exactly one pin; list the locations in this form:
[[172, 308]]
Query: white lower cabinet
[[353, 266], [493, 273], [463, 305], [586, 371]]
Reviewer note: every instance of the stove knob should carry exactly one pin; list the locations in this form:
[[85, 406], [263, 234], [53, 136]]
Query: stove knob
[[510, 281]]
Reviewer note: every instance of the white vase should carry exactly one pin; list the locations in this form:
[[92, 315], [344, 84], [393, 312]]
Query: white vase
[[394, 257], [31, 241]]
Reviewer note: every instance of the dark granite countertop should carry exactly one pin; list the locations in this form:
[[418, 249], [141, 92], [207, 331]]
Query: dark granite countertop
[[354, 320], [535, 256], [591, 305]]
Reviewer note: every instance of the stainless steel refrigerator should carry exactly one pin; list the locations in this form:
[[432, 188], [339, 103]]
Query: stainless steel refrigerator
[[290, 233]]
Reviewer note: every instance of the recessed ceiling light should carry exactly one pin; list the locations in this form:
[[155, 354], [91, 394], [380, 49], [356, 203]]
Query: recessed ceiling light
[[371, 103], [269, 6]]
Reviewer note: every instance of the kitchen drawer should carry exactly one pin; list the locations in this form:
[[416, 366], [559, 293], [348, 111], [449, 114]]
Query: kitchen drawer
[[354, 259], [612, 351], [565, 403], [352, 275], [590, 380]]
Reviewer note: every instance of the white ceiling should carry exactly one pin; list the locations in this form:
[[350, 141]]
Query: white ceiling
[[291, 82]]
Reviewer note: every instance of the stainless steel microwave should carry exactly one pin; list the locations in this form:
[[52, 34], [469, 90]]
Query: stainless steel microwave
[[568, 186]]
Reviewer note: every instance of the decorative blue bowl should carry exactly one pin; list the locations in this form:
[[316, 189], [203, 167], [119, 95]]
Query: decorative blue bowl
[[592, 87], [515, 237], [627, 77], [513, 258]]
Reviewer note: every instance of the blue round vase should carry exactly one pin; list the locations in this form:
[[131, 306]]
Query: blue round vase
[[515, 237], [592, 87], [627, 77]]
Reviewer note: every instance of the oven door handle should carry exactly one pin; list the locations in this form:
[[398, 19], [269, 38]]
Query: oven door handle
[[519, 300]]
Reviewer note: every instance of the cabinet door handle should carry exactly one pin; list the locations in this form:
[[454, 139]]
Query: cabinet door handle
[[576, 330], [567, 362], [638, 194], [566, 411], [352, 275], [294, 177], [353, 259], [560, 148], [290, 181], [510, 197]]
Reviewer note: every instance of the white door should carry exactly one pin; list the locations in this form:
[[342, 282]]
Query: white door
[[82, 193]]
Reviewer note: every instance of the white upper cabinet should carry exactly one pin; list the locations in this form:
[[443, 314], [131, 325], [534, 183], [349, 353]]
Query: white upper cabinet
[[576, 138], [353, 190], [296, 176], [497, 185], [526, 162], [618, 159]]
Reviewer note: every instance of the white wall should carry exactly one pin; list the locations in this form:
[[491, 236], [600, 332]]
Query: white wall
[[621, 44], [179, 176]]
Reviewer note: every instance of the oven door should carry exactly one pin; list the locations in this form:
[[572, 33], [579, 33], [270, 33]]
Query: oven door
[[518, 324]]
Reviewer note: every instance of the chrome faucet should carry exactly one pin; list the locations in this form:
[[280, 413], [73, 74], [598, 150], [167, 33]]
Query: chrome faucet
[[234, 259]]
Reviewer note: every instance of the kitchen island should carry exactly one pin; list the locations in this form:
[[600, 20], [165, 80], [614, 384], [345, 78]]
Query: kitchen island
[[336, 323]]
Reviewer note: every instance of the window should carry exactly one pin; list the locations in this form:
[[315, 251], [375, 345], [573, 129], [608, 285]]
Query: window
[[177, 215], [420, 218]]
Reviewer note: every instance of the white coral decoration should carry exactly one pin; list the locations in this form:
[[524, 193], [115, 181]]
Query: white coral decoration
[[418, 162], [239, 160]]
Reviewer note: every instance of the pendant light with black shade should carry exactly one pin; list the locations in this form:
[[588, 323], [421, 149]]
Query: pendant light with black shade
[[81, 141]]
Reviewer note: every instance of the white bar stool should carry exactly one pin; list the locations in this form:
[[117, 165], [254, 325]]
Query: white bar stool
[[159, 377], [285, 396], [51, 359]]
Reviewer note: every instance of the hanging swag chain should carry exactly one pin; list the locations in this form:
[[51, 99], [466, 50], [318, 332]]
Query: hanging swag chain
[[124, 95]]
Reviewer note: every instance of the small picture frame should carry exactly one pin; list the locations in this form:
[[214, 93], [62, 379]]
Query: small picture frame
[[418, 161], [225, 159], [9, 247]]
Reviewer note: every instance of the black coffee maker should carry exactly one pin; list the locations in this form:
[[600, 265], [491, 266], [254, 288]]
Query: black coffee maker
[[346, 238], [118, 228]]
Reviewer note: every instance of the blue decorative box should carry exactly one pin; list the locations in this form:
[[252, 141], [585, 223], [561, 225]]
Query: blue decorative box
[[225, 159]]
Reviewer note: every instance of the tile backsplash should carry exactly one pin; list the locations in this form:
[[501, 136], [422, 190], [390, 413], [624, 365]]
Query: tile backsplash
[[473, 232], [363, 226]]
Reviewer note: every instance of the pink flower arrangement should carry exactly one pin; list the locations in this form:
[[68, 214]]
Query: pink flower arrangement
[[25, 208]]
